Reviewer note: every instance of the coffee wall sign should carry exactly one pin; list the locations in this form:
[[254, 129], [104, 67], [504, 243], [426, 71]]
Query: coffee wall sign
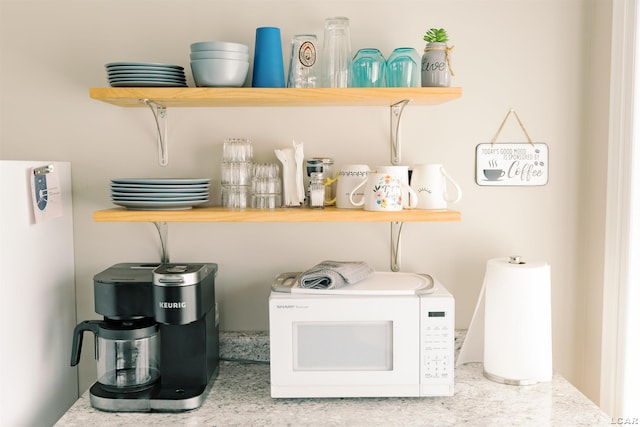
[[512, 164]]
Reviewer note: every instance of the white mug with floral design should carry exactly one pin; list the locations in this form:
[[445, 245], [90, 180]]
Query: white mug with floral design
[[383, 192]]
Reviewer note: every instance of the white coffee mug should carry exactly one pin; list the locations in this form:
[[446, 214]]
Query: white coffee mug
[[403, 173], [429, 181], [348, 178], [383, 193]]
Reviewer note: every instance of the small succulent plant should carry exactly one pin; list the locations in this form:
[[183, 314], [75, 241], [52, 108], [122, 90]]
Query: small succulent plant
[[436, 35]]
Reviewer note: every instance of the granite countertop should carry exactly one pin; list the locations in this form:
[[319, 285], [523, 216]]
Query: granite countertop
[[240, 396]]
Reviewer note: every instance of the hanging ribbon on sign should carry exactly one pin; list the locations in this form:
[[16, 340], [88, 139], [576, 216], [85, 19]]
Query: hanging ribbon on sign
[[511, 111], [512, 164]]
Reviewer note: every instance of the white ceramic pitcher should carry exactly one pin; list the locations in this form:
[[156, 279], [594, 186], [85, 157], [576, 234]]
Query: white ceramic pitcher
[[429, 181]]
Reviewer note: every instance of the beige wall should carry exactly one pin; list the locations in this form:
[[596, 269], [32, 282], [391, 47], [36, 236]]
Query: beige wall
[[592, 190], [531, 55]]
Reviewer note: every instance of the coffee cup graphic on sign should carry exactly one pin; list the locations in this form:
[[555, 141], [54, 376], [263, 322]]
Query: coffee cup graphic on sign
[[493, 173]]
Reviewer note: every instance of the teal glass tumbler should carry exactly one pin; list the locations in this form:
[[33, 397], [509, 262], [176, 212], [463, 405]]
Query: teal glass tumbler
[[403, 68], [367, 69]]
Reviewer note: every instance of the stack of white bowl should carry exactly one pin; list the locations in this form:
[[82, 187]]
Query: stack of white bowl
[[219, 64]]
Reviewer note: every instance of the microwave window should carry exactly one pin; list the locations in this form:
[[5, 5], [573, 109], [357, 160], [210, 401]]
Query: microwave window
[[343, 346]]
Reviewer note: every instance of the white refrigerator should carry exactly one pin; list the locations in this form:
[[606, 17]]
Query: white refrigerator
[[38, 309]]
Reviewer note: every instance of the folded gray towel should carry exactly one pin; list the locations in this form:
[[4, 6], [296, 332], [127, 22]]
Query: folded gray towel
[[334, 274]]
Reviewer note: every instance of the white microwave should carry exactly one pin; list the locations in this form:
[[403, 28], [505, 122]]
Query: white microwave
[[391, 334]]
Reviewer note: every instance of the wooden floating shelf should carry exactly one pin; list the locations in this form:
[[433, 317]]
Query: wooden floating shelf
[[274, 97], [160, 99], [219, 214]]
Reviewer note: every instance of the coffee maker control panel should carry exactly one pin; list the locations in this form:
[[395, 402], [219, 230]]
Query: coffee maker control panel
[[182, 274], [183, 293]]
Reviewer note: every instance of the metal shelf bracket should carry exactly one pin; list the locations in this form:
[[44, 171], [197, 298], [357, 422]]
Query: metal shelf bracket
[[396, 113], [396, 157], [396, 232], [161, 119]]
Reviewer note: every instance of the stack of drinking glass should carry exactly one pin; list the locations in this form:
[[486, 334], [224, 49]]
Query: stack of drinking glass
[[266, 187], [237, 171]]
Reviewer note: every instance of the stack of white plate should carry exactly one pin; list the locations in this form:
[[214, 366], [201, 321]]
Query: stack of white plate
[[159, 193], [145, 74]]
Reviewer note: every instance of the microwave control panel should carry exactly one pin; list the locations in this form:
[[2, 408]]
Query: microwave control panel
[[437, 337]]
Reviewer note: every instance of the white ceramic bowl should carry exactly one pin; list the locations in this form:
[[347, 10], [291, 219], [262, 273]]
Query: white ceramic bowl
[[219, 45], [219, 72], [219, 54]]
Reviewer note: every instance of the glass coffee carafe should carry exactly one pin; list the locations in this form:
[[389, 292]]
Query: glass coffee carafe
[[127, 352]]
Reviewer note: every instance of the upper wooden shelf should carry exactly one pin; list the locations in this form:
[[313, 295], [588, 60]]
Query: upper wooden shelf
[[219, 214], [275, 97]]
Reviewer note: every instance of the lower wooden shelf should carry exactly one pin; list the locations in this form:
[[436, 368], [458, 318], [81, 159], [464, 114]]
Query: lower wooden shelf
[[219, 214]]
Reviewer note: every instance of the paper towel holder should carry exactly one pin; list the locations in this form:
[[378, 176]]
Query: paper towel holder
[[521, 372]]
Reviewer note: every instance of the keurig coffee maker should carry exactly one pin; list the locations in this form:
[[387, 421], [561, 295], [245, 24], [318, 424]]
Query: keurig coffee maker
[[157, 345]]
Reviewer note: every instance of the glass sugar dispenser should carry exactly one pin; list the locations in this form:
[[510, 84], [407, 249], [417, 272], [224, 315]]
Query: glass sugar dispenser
[[316, 190]]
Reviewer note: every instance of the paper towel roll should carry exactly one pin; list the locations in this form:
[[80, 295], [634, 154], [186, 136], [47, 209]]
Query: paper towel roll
[[514, 314]]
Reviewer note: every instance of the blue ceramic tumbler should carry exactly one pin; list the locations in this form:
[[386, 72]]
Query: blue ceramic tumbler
[[268, 64]]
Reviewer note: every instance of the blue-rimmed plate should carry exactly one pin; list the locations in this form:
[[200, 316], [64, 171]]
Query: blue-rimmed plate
[[135, 73], [161, 181], [142, 64], [145, 205], [160, 199], [187, 189]]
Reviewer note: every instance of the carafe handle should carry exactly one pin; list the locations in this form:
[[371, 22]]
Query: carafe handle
[[78, 332]]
